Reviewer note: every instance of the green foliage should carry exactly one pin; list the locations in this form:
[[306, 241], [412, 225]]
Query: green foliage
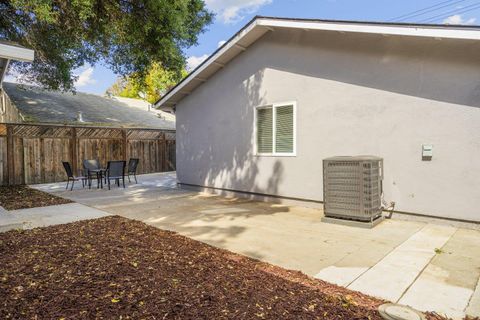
[[128, 36], [154, 84]]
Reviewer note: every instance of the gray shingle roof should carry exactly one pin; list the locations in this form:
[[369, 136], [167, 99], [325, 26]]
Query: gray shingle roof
[[39, 105]]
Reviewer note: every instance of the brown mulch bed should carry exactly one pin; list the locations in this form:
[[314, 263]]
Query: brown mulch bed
[[114, 267], [21, 197]]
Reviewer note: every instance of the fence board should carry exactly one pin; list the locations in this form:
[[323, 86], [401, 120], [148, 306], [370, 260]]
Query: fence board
[[18, 161], [38, 150], [3, 160]]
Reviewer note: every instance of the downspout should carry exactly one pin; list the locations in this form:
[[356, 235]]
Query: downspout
[[4, 72], [3, 109]]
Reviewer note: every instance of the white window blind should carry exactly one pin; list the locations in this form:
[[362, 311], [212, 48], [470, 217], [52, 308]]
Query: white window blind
[[284, 129], [265, 130], [275, 129]]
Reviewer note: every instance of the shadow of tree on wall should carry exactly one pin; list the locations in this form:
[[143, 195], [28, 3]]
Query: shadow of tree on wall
[[226, 159], [217, 149], [216, 144]]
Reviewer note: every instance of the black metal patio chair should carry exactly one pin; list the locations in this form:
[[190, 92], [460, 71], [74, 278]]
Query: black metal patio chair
[[116, 171], [132, 168], [72, 177], [92, 169]]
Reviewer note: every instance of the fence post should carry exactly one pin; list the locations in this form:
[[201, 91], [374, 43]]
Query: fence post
[[125, 144], [165, 153], [74, 151], [10, 156]]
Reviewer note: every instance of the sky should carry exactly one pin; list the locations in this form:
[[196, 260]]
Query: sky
[[232, 15]]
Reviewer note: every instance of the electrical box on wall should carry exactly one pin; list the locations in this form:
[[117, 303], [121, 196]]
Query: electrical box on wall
[[427, 152]]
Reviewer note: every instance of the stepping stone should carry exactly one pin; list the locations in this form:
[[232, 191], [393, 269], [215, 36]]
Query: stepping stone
[[392, 311]]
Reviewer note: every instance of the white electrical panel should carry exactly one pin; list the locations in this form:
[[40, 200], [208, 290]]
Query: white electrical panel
[[427, 151]]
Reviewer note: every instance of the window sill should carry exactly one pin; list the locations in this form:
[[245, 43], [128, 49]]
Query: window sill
[[275, 155]]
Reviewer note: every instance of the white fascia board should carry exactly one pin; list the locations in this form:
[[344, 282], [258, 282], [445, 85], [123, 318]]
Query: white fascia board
[[210, 60], [16, 53], [415, 31]]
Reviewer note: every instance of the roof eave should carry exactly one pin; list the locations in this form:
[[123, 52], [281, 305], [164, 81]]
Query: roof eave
[[214, 60], [18, 53], [430, 31], [13, 52]]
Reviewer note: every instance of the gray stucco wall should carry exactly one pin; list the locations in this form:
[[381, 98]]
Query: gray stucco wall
[[356, 94]]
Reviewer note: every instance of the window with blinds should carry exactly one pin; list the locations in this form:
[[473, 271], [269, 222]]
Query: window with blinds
[[275, 128], [265, 130]]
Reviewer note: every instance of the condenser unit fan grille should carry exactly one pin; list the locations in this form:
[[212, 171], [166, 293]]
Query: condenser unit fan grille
[[352, 187]]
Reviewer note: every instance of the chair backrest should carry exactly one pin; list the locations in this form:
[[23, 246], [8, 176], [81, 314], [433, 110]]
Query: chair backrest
[[92, 164], [116, 168], [68, 169], [132, 164]]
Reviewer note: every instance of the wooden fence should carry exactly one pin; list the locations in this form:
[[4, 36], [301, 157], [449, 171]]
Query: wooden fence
[[33, 153]]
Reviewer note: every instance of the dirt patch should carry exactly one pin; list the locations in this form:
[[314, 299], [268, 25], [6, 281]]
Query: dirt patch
[[119, 268], [21, 197]]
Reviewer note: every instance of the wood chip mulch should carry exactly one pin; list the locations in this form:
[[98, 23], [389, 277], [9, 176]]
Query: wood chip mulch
[[118, 268], [21, 197]]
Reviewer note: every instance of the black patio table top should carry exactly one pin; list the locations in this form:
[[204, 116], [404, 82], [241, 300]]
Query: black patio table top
[[100, 175]]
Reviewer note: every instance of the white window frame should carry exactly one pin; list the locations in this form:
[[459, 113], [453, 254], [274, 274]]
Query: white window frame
[[274, 129]]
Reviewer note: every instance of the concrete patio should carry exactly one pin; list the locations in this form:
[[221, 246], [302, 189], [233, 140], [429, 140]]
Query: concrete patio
[[424, 264]]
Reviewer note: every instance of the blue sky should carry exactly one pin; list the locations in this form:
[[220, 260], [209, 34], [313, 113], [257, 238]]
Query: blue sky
[[231, 15]]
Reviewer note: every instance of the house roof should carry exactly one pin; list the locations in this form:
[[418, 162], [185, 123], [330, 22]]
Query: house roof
[[260, 25], [42, 106], [145, 106]]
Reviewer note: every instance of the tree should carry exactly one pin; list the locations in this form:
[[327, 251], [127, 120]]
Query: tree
[[129, 36], [154, 84]]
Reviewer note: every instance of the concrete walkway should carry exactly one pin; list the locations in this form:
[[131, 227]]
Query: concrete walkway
[[428, 266], [47, 216]]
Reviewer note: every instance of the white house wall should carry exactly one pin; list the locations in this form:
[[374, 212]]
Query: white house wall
[[356, 94]]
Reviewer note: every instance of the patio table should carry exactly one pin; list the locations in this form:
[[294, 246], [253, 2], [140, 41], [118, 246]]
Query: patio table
[[100, 176]]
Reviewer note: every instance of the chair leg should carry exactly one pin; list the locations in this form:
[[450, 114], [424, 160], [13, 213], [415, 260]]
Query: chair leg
[[73, 182], [108, 183], [123, 182], [68, 181], [128, 177], [135, 176]]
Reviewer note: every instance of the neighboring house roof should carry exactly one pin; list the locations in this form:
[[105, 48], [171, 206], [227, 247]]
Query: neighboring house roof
[[258, 26], [39, 105], [12, 51], [145, 106]]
